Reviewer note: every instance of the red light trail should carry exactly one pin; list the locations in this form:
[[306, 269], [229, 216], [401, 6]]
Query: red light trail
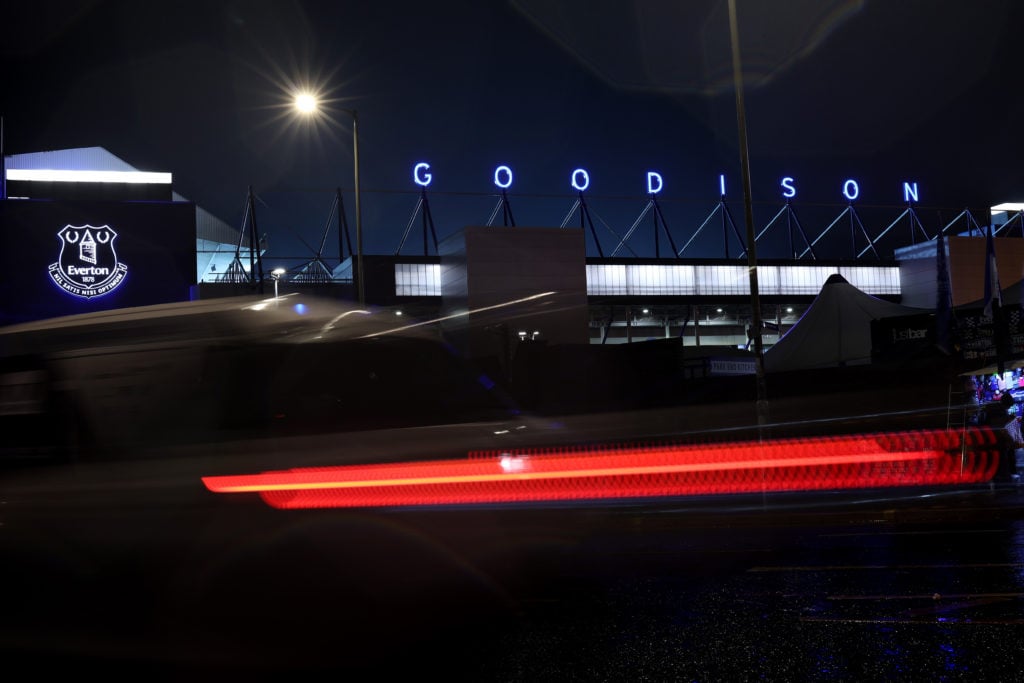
[[551, 474]]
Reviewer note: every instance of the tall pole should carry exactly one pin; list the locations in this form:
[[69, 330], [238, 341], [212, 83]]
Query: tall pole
[[3, 163], [360, 291], [748, 210], [306, 103]]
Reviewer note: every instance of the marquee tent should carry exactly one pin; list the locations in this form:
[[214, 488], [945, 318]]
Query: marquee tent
[[834, 331]]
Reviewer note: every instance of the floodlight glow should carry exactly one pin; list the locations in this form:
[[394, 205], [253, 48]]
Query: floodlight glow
[[306, 103], [1007, 206], [278, 271], [580, 179], [789, 189], [909, 192], [654, 178], [61, 176], [421, 175], [498, 172], [721, 184], [851, 190]]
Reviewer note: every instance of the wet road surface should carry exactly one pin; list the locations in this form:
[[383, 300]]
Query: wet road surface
[[874, 586]]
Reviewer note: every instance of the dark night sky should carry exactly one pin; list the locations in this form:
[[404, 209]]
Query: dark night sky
[[926, 91]]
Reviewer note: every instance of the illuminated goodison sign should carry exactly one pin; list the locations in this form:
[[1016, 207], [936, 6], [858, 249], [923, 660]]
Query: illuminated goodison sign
[[579, 180]]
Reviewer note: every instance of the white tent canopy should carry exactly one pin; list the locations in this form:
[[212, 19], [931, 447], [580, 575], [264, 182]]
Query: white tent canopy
[[834, 331]]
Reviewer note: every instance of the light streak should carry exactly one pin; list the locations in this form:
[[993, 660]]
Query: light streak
[[66, 176], [305, 480], [460, 314], [893, 459]]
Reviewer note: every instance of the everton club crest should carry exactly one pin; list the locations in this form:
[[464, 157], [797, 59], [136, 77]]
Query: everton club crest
[[87, 266]]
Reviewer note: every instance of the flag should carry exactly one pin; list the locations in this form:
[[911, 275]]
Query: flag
[[993, 293], [944, 323]]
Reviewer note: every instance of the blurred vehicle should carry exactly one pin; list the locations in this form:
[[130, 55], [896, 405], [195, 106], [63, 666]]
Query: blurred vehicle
[[280, 378], [120, 556], [171, 379]]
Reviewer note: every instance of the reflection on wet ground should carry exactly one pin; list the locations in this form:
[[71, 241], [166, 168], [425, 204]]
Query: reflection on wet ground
[[877, 586]]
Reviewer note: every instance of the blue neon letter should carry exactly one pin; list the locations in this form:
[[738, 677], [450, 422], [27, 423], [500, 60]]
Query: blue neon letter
[[580, 179], [421, 174], [909, 192], [497, 177], [654, 178], [851, 190], [788, 187], [721, 183]]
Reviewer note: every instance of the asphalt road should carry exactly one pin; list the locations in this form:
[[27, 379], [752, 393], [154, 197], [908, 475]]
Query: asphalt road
[[879, 585]]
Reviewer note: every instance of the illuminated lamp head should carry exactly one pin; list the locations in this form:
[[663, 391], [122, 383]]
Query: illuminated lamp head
[[306, 103]]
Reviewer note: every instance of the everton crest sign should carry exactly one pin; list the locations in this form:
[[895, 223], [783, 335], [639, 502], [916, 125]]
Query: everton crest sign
[[87, 266]]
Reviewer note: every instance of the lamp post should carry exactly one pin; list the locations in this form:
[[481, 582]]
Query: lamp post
[[360, 292], [307, 104], [755, 302], [276, 274], [3, 163]]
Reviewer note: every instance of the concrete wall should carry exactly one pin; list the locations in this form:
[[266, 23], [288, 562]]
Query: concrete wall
[[918, 281], [500, 281], [966, 263]]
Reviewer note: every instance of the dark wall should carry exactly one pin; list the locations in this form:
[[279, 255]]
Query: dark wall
[[155, 243], [575, 378], [216, 290], [84, 191]]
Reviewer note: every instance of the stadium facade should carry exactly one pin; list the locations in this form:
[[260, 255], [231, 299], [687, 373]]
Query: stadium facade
[[159, 247]]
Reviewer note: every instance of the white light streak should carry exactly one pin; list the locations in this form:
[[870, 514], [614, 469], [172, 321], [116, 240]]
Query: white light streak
[[59, 176]]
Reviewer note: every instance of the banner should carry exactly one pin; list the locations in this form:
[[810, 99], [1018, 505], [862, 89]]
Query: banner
[[978, 340]]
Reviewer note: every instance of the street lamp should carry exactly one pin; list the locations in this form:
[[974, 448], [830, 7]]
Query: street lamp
[[276, 274], [755, 297], [307, 104], [360, 292]]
